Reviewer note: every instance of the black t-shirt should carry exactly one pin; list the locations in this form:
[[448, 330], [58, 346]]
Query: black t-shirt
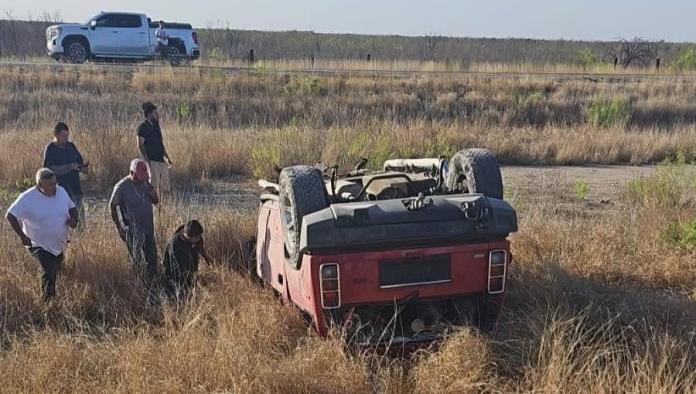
[[154, 147], [56, 158], [180, 257]]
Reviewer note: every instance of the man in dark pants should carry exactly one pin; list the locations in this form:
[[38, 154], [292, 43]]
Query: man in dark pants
[[151, 146], [181, 259], [41, 216], [62, 157], [132, 199]]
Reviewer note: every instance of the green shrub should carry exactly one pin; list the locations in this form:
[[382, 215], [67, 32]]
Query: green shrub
[[682, 235], [582, 188], [7, 196], [587, 58], [608, 113], [665, 188], [303, 86], [183, 111], [687, 60], [216, 54]]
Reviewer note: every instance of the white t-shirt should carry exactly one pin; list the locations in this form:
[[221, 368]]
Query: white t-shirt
[[44, 218], [162, 36]]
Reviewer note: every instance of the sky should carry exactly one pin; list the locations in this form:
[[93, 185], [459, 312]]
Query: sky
[[670, 20]]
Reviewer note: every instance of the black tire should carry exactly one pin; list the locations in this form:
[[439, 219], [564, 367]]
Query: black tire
[[76, 51], [174, 55], [302, 191], [475, 171]]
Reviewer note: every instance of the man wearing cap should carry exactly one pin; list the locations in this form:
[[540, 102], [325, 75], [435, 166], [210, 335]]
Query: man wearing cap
[[132, 200], [41, 216], [152, 148]]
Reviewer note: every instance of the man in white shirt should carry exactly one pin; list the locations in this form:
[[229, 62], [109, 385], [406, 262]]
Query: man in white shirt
[[162, 39], [41, 216]]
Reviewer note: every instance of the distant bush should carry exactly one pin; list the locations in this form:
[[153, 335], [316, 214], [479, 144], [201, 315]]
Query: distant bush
[[609, 113], [582, 189], [664, 189], [216, 54], [300, 86], [587, 57], [687, 60]]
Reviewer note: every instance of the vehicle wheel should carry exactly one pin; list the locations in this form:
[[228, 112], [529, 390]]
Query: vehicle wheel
[[174, 56], [475, 171], [302, 191], [76, 52]]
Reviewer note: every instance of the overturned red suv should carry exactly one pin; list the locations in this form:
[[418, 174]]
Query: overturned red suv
[[398, 255]]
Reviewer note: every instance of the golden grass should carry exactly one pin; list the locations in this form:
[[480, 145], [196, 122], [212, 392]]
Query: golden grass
[[609, 325], [599, 300], [245, 123]]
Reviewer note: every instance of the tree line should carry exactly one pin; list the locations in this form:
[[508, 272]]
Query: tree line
[[23, 39]]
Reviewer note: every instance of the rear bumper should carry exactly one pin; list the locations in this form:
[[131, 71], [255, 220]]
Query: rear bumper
[[380, 300], [415, 323]]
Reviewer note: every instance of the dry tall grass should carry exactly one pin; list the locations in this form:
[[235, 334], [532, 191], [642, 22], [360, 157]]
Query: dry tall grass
[[245, 123], [600, 300], [593, 306]]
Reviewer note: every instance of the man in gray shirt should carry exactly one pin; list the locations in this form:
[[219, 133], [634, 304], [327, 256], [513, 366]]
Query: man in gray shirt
[[132, 199]]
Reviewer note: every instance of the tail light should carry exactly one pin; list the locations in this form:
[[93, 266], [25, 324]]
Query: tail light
[[194, 35], [497, 270], [330, 286]]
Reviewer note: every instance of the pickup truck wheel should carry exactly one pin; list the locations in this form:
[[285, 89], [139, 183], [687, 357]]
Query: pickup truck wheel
[[475, 171], [174, 56], [302, 191], [76, 52]]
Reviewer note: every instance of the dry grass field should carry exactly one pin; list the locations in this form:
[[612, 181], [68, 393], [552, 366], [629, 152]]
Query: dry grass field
[[602, 296]]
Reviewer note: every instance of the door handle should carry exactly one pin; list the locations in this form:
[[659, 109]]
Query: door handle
[[114, 31], [142, 33]]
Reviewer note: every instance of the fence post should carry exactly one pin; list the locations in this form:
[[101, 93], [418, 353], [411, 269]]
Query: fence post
[[657, 64], [251, 56], [369, 57]]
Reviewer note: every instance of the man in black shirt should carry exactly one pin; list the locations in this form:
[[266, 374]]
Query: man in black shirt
[[62, 157], [181, 259], [152, 148]]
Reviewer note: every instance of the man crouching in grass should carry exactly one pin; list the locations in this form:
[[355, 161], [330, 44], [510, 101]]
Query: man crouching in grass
[[41, 216], [181, 260]]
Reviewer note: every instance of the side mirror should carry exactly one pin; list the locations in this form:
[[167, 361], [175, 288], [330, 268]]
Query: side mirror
[[93, 24]]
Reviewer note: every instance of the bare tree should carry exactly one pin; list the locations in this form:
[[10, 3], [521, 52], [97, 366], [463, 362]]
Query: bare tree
[[50, 17], [220, 39], [430, 44], [634, 52]]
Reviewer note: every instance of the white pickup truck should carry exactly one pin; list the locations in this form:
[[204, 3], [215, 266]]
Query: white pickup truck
[[119, 35]]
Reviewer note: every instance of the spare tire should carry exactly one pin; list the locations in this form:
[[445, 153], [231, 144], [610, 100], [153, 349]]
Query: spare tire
[[302, 191], [475, 171]]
